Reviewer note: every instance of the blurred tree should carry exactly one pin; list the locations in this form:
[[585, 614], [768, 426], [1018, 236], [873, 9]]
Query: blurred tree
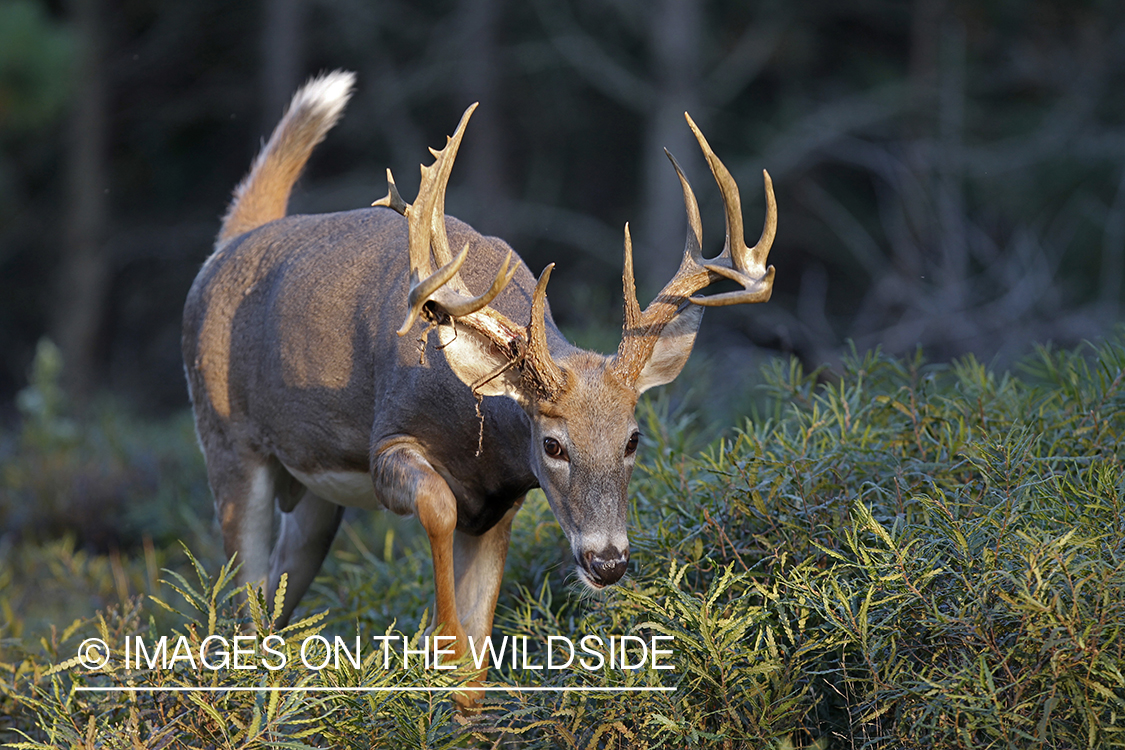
[[83, 275], [984, 219], [35, 82], [478, 22], [35, 58], [282, 56]]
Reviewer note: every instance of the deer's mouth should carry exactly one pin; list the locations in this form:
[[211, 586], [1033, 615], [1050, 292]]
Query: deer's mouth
[[588, 579], [598, 570]]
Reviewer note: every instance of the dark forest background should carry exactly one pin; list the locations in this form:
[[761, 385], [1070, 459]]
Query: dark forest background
[[949, 174]]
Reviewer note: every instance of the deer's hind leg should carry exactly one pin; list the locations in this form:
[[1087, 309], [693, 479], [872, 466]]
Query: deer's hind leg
[[303, 541], [243, 485], [246, 486]]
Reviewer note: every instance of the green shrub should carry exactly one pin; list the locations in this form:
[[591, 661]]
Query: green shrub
[[953, 539], [110, 479], [69, 715], [906, 555]]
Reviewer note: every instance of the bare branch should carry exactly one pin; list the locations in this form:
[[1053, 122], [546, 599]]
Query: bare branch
[[588, 58], [739, 68], [847, 227]]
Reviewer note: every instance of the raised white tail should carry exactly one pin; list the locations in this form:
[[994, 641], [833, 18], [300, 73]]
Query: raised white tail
[[264, 194]]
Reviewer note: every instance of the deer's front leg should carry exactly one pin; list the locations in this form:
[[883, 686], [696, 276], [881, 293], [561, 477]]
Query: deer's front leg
[[479, 565], [406, 483]]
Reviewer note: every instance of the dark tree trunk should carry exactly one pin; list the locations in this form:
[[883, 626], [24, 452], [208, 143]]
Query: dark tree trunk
[[479, 82], [84, 273], [674, 39], [282, 58]]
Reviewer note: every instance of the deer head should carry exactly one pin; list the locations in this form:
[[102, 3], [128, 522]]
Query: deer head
[[580, 404]]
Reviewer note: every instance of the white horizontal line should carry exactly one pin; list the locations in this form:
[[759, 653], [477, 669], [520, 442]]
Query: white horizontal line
[[408, 689]]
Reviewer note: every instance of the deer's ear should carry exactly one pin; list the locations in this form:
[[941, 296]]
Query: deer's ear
[[478, 362], [672, 349]]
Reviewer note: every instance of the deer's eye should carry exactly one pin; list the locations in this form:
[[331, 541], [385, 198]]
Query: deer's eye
[[631, 446], [554, 449]]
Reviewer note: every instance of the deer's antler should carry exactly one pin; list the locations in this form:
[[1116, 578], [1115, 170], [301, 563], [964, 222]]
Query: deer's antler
[[745, 265], [426, 223], [442, 293]]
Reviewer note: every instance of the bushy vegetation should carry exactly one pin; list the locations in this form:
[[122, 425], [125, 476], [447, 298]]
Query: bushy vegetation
[[91, 509], [897, 555]]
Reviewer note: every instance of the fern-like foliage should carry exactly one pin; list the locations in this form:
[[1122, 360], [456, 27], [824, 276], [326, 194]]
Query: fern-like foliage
[[898, 555]]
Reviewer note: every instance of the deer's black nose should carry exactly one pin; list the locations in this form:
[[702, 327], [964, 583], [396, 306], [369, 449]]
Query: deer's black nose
[[607, 566]]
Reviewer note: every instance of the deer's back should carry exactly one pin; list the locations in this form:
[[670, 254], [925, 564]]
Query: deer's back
[[290, 347]]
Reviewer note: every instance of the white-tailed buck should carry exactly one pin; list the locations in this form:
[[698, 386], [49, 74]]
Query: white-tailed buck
[[330, 365]]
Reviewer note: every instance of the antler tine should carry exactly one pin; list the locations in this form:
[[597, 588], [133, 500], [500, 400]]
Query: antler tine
[[455, 305], [426, 225], [539, 363], [691, 275], [642, 329], [422, 290], [633, 317], [746, 264], [440, 170], [693, 246], [392, 199]]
